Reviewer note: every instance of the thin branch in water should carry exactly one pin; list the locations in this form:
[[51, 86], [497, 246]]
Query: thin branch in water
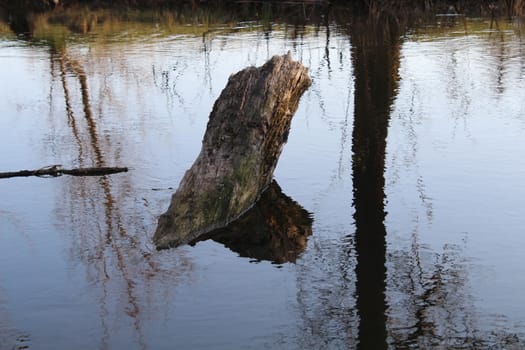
[[56, 170]]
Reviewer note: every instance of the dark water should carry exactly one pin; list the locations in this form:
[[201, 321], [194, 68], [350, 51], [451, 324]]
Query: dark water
[[407, 153]]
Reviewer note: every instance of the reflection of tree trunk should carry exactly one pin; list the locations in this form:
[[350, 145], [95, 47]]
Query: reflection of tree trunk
[[248, 127], [114, 234], [69, 107], [375, 60], [275, 229], [88, 113]]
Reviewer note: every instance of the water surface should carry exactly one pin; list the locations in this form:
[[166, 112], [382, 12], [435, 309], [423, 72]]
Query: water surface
[[406, 151]]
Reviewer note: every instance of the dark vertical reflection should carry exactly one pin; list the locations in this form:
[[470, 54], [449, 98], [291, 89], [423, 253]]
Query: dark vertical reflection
[[375, 58]]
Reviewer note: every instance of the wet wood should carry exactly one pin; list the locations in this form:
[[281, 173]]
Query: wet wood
[[246, 132], [56, 170]]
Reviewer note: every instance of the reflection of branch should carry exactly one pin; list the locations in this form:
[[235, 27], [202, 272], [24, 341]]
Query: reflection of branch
[[206, 48], [134, 311], [69, 109], [501, 64], [164, 83], [425, 199], [344, 127], [92, 127], [325, 295], [409, 121], [456, 93], [327, 46], [440, 306]]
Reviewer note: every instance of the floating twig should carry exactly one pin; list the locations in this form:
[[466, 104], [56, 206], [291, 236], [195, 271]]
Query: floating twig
[[56, 170]]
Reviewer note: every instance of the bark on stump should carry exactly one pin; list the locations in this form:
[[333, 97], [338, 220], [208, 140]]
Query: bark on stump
[[246, 132]]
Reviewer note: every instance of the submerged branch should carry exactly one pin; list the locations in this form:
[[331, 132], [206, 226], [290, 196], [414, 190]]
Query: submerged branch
[[56, 170]]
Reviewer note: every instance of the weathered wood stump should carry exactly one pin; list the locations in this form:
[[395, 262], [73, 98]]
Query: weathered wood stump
[[246, 132]]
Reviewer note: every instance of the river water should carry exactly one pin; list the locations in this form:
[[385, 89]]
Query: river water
[[406, 151]]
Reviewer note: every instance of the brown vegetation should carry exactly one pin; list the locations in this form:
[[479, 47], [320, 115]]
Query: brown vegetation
[[487, 7]]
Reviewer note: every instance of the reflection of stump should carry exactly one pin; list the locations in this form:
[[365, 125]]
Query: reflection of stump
[[275, 229], [248, 127]]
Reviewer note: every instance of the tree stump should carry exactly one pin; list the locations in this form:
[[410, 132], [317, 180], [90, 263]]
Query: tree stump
[[246, 131]]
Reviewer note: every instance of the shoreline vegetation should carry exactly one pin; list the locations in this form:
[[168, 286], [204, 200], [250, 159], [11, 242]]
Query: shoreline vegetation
[[27, 17], [497, 8]]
